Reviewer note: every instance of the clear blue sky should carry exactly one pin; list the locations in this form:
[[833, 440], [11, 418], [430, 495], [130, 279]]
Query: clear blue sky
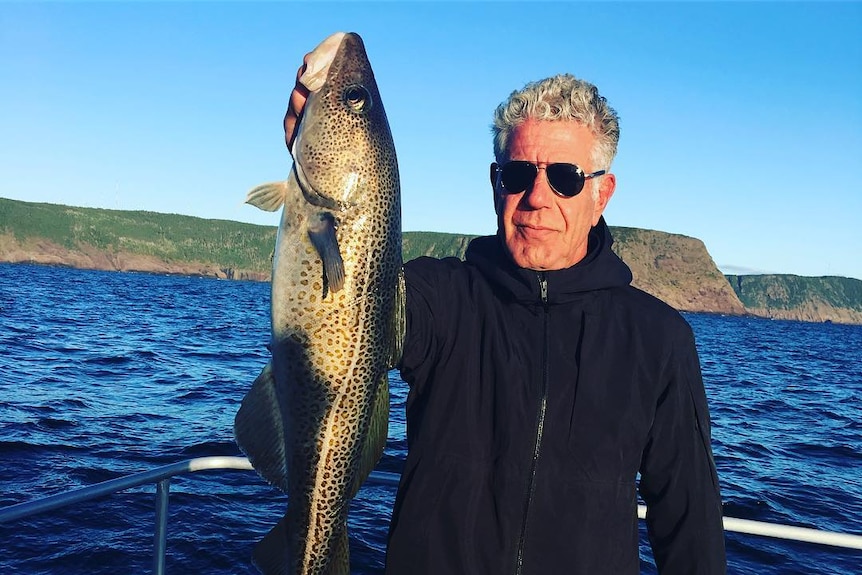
[[741, 122]]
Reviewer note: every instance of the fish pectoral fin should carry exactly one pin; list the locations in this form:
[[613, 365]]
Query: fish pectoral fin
[[321, 231], [268, 197], [271, 554], [259, 429], [375, 439]]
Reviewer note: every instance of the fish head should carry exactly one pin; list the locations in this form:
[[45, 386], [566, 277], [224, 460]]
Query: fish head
[[343, 137]]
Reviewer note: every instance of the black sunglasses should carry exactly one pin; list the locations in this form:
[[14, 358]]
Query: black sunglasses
[[567, 180]]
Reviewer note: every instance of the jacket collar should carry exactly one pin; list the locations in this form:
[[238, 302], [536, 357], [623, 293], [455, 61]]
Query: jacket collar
[[601, 268]]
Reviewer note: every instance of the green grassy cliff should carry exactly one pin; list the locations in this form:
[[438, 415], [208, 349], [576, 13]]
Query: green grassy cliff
[[783, 296], [168, 237]]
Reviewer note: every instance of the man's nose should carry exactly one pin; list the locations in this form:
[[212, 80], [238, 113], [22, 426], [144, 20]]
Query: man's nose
[[539, 194]]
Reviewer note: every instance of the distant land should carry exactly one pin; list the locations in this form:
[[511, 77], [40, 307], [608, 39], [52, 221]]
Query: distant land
[[678, 269]]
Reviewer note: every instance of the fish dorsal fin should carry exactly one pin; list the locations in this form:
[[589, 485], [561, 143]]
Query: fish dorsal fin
[[268, 197], [375, 439], [259, 429], [321, 231]]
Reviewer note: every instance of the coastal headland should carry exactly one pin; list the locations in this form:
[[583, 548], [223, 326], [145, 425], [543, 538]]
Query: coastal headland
[[675, 268]]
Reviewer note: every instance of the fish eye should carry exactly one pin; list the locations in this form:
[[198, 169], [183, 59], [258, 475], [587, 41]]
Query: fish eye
[[357, 98]]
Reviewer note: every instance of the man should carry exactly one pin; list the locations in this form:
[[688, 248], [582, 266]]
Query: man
[[542, 383]]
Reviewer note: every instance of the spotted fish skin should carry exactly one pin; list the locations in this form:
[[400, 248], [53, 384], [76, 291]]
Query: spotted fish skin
[[315, 421]]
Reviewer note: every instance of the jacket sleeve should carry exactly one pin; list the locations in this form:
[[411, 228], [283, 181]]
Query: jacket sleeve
[[678, 482]]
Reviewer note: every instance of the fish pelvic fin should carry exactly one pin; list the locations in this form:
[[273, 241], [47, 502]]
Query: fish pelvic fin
[[259, 429], [268, 197], [321, 232], [375, 438]]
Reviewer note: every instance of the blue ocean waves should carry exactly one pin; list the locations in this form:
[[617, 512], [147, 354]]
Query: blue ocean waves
[[107, 374]]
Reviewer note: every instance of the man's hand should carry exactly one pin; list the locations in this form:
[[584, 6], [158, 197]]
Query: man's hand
[[294, 107]]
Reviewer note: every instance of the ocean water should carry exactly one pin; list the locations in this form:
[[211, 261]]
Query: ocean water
[[104, 374]]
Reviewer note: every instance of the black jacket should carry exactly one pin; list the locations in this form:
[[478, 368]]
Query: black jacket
[[535, 400]]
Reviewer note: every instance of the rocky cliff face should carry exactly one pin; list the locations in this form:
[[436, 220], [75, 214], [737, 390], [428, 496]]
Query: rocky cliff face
[[676, 269], [84, 256]]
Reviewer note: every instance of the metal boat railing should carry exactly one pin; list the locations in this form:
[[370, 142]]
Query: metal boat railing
[[161, 476]]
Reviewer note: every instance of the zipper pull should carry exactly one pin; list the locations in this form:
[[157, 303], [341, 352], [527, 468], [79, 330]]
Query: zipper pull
[[543, 287]]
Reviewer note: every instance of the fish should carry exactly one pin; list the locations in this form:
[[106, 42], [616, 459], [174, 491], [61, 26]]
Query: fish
[[315, 421]]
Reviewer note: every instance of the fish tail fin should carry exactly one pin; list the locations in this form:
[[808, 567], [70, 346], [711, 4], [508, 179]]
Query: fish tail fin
[[271, 555], [259, 429]]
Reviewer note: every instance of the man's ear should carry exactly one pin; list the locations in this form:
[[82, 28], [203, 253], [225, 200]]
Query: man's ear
[[607, 185], [494, 188]]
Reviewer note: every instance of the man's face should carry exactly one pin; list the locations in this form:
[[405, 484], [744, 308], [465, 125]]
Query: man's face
[[542, 230]]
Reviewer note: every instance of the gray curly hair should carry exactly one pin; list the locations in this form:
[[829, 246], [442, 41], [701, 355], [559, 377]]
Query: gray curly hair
[[560, 97]]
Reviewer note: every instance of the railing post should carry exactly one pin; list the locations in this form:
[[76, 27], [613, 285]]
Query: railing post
[[163, 489]]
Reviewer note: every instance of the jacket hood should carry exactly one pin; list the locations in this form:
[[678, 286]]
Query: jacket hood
[[601, 268]]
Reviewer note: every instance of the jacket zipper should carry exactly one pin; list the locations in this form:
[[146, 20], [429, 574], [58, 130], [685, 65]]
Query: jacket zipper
[[540, 424]]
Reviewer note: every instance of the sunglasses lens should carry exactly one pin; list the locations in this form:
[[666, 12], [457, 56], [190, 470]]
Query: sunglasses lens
[[566, 179], [517, 176]]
